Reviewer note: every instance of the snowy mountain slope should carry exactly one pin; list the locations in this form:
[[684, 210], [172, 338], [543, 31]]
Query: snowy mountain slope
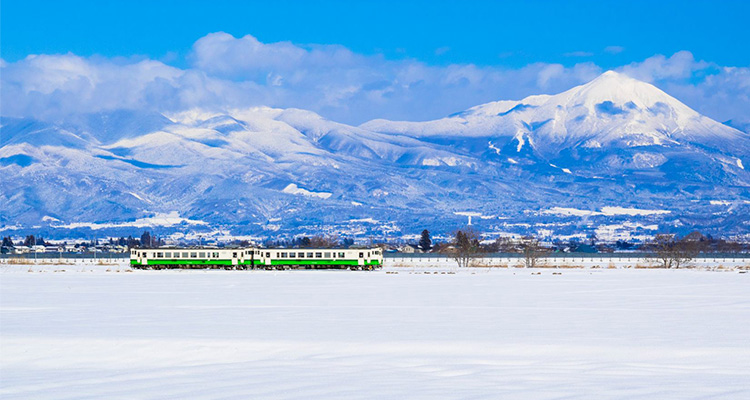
[[200, 162], [611, 125], [612, 142], [611, 109], [109, 127]]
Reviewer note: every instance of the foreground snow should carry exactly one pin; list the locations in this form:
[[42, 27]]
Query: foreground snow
[[101, 332]]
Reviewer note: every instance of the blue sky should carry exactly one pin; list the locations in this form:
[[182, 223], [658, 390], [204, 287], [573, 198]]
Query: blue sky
[[468, 52]]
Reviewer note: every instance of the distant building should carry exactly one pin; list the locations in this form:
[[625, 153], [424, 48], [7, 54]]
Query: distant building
[[409, 248]]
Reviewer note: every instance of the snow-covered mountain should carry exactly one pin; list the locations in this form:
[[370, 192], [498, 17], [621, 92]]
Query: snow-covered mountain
[[615, 154], [611, 112]]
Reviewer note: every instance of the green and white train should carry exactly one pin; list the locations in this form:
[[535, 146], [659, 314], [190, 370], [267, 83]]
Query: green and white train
[[256, 258]]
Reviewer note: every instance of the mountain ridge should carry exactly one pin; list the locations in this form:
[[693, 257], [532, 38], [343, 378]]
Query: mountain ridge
[[603, 99], [614, 141]]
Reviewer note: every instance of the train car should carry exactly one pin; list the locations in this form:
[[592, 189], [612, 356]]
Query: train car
[[254, 257], [370, 258], [160, 258]]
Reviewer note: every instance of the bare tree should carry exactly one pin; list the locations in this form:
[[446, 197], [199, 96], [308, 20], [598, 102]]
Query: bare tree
[[502, 245], [667, 251], [465, 246], [532, 251], [324, 242]]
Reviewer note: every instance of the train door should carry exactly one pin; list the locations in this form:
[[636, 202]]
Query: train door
[[234, 258], [144, 258], [361, 259]]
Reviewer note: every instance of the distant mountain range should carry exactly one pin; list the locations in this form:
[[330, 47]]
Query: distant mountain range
[[615, 157]]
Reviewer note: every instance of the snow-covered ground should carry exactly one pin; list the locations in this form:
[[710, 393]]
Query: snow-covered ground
[[93, 332]]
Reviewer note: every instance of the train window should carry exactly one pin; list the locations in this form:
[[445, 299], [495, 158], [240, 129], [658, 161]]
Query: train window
[[283, 255], [159, 255], [234, 254], [361, 255], [292, 255], [184, 254], [168, 255], [309, 255], [318, 255], [216, 255], [193, 254], [268, 254], [301, 255], [202, 254], [328, 254], [342, 255]]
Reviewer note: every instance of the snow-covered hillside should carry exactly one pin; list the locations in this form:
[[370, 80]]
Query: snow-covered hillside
[[612, 109], [614, 142]]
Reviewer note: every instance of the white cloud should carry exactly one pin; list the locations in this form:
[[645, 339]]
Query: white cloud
[[721, 93], [229, 72], [680, 65]]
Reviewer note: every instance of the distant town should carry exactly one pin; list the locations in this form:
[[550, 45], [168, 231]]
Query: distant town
[[467, 241]]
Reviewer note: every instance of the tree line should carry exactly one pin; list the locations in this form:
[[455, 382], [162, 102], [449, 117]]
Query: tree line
[[664, 249]]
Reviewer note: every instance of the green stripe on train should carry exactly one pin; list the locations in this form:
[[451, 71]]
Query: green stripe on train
[[189, 262], [313, 262]]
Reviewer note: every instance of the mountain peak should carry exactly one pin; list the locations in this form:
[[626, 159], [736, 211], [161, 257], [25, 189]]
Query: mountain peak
[[613, 74], [613, 108], [614, 80], [620, 89]]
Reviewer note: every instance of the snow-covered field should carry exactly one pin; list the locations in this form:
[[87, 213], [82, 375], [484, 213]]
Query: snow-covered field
[[94, 332]]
